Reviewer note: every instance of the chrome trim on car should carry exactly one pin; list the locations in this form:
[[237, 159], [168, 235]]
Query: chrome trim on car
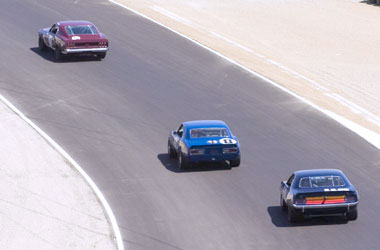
[[348, 205], [69, 51]]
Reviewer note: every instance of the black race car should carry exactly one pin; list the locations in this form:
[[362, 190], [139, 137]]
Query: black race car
[[319, 192]]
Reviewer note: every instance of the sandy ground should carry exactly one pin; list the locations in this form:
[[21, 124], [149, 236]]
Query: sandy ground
[[44, 203], [326, 51]]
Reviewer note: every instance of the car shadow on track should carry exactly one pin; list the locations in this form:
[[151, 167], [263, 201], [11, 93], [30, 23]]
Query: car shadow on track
[[370, 2], [49, 56], [279, 219], [172, 165]]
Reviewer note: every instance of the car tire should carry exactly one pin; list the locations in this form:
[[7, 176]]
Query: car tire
[[101, 55], [182, 162], [235, 163], [171, 152], [293, 216], [283, 205], [58, 54], [41, 44], [353, 215]]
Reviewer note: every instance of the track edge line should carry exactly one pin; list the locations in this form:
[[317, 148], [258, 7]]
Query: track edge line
[[65, 155]]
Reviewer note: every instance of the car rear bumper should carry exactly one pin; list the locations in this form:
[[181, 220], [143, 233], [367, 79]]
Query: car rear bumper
[[84, 50], [325, 208], [212, 158]]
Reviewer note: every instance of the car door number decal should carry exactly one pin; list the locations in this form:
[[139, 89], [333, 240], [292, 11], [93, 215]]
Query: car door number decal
[[227, 141], [50, 39]]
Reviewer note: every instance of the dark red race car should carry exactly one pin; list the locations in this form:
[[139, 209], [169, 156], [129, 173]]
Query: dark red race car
[[73, 37]]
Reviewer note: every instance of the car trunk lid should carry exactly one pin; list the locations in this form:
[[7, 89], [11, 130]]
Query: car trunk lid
[[86, 40], [214, 145]]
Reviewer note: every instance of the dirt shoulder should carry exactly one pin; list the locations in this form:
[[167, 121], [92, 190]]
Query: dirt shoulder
[[325, 51]]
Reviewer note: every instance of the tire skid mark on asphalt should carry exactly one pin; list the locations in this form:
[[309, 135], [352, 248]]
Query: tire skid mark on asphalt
[[171, 15]]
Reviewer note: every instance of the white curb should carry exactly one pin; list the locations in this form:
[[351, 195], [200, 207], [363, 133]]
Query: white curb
[[92, 184]]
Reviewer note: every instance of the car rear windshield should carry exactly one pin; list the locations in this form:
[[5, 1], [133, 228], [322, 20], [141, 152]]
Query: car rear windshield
[[81, 30], [208, 132], [321, 181]]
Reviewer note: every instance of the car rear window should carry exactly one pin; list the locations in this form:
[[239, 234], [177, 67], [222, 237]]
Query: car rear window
[[208, 132], [81, 30], [321, 181]]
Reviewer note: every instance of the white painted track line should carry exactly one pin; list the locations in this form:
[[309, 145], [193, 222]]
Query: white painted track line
[[370, 136], [234, 43], [171, 15], [65, 155]]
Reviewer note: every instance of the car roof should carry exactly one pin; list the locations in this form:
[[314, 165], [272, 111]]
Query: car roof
[[205, 124], [318, 172], [73, 23]]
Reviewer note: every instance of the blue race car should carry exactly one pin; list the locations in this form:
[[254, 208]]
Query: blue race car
[[318, 192], [203, 141]]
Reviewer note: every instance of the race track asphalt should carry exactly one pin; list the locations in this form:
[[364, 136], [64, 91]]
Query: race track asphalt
[[113, 117]]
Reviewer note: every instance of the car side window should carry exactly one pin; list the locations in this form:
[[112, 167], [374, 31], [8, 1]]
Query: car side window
[[180, 131], [54, 29], [60, 32], [290, 180]]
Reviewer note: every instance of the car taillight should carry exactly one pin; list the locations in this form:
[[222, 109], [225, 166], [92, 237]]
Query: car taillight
[[229, 150], [103, 44], [350, 198], [300, 201], [334, 199], [315, 200], [197, 151]]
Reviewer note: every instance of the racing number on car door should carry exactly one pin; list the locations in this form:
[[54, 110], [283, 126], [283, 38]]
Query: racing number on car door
[[287, 188], [45, 36], [178, 136], [50, 40], [51, 35]]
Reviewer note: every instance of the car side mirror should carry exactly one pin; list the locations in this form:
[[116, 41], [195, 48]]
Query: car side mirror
[[284, 184]]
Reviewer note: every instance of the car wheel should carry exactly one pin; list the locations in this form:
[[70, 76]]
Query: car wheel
[[41, 45], [58, 53], [283, 206], [182, 162], [292, 216], [235, 163], [101, 55], [171, 152], [353, 215]]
